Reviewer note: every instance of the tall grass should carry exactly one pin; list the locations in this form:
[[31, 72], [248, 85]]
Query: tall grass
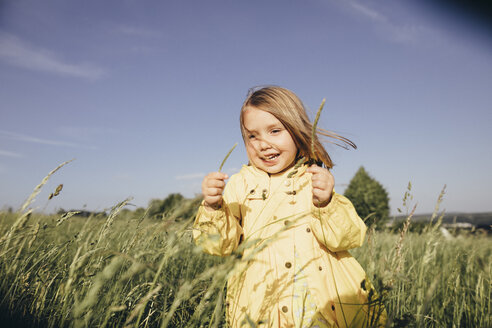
[[441, 282], [127, 270], [81, 273]]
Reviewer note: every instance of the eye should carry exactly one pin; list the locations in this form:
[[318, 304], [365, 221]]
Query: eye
[[275, 131], [251, 136]]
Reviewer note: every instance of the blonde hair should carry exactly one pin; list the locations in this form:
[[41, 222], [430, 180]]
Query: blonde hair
[[288, 109]]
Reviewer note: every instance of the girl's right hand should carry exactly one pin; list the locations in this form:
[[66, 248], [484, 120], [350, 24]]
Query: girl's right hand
[[212, 187]]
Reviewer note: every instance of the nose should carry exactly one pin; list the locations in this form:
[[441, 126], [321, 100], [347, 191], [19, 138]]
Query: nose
[[264, 144]]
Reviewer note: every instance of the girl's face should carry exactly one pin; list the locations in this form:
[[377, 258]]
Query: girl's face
[[269, 145]]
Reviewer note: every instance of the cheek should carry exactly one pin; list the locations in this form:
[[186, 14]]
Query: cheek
[[250, 149], [250, 145]]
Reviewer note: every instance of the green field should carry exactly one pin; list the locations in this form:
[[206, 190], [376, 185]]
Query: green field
[[125, 269], [141, 269]]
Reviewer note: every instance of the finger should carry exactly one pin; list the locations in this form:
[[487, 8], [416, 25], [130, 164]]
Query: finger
[[213, 203], [212, 199], [321, 196], [317, 171], [319, 184], [214, 191], [314, 169], [215, 183], [321, 193], [323, 185], [316, 199], [323, 175], [214, 180]]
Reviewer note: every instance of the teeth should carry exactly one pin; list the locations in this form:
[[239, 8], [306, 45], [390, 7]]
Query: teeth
[[272, 156]]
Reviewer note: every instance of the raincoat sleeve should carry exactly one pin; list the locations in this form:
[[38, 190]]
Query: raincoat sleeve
[[337, 225], [219, 232]]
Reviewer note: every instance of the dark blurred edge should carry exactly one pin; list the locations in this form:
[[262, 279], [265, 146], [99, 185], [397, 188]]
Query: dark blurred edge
[[9, 319], [476, 12]]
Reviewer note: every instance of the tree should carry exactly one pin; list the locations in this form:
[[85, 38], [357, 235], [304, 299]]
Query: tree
[[174, 206], [159, 208], [369, 197]]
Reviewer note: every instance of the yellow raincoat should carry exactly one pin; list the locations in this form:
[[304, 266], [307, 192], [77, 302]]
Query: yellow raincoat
[[275, 214]]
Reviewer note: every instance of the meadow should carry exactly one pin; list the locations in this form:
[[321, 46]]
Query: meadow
[[129, 269]]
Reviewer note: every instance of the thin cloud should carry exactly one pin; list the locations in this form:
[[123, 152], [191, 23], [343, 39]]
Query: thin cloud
[[190, 176], [395, 32], [368, 12], [7, 153], [85, 133], [26, 138], [17, 52]]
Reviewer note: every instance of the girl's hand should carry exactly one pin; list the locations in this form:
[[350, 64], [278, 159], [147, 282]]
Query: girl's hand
[[212, 187], [323, 183]]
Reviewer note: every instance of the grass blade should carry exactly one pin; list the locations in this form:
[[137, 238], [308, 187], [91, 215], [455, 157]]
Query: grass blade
[[226, 157], [315, 124]]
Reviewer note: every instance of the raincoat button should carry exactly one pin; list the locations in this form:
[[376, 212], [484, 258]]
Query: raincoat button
[[286, 222], [308, 229], [288, 265], [287, 183], [285, 309], [320, 268]]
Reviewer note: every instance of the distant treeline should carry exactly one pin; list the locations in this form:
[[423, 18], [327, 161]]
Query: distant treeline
[[175, 206], [451, 221], [476, 219]]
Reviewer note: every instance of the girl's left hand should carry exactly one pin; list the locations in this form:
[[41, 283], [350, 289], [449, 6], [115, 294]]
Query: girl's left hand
[[323, 183]]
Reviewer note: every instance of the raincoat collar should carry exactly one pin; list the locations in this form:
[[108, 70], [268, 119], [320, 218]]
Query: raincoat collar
[[257, 173]]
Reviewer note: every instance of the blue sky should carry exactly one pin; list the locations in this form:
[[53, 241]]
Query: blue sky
[[145, 95]]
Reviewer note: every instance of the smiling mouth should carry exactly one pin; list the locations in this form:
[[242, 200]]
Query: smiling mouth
[[271, 157]]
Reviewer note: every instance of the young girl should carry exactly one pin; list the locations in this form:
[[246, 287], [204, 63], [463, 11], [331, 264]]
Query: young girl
[[296, 270]]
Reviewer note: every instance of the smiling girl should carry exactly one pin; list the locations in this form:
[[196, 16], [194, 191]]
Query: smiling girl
[[298, 272]]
